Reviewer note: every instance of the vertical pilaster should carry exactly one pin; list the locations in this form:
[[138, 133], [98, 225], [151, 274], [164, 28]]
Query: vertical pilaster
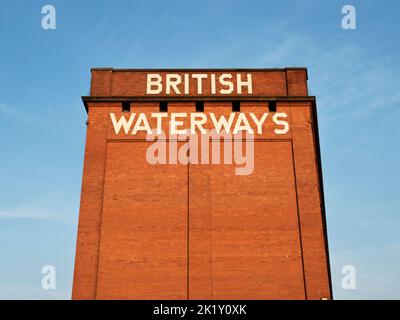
[[91, 206]]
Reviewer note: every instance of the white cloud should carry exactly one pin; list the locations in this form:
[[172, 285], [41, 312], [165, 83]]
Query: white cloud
[[26, 212], [56, 205], [11, 112], [343, 76], [30, 292], [356, 91]]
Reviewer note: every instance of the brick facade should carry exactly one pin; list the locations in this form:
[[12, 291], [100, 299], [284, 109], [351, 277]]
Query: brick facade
[[196, 231]]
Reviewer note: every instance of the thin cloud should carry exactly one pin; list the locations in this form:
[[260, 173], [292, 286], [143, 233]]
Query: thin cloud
[[351, 86], [12, 112], [31, 213], [30, 292], [345, 76]]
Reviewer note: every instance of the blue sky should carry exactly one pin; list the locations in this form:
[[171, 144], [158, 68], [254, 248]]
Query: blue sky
[[353, 73]]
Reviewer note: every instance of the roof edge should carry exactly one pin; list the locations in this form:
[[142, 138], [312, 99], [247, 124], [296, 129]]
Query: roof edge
[[196, 69]]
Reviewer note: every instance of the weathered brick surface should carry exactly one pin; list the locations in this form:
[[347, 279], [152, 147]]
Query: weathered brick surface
[[144, 227], [91, 209], [101, 83], [309, 200], [296, 82], [198, 231], [274, 82]]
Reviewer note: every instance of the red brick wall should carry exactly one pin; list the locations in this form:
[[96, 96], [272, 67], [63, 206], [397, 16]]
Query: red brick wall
[[200, 231]]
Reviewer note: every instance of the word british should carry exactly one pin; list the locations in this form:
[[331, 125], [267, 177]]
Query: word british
[[182, 84], [197, 123]]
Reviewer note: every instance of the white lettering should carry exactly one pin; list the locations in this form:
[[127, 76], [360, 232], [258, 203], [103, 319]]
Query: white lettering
[[122, 123], [285, 124], [248, 83], [154, 80]]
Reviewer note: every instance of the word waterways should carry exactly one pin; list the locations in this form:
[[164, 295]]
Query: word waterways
[[241, 123], [177, 84]]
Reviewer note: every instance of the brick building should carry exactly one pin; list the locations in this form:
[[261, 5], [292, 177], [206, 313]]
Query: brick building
[[200, 231]]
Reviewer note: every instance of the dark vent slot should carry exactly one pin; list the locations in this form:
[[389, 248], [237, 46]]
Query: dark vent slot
[[199, 106], [236, 106], [126, 106], [163, 106], [272, 106]]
